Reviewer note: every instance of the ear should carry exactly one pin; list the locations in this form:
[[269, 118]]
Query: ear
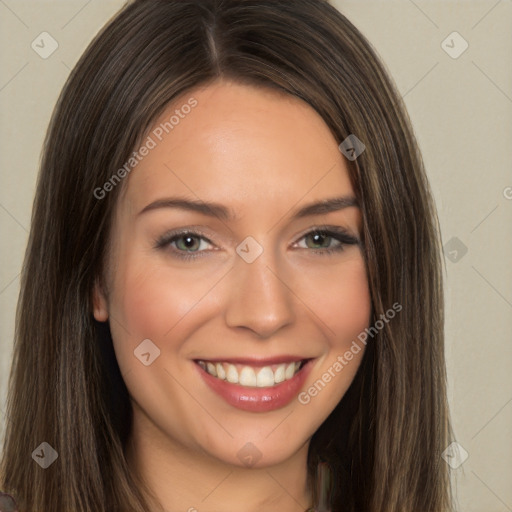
[[99, 300]]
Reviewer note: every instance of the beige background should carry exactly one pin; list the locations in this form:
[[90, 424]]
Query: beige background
[[461, 110]]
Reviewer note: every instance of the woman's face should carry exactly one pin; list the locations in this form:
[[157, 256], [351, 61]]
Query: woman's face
[[248, 290]]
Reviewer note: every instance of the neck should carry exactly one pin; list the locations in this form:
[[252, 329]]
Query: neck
[[189, 480]]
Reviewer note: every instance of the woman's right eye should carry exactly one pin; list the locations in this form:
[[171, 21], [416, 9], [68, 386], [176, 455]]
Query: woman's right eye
[[186, 244]]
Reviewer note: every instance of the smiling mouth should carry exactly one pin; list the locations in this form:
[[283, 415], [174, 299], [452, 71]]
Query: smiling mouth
[[252, 376]]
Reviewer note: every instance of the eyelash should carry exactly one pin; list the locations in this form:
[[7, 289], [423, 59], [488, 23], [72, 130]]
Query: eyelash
[[334, 232]]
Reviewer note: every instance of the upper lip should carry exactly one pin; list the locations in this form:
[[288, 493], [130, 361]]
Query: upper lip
[[256, 361]]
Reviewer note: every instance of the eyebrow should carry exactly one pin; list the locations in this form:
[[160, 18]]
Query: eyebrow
[[222, 212]]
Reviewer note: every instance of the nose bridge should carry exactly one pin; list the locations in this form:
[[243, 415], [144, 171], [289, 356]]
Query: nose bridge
[[258, 298]]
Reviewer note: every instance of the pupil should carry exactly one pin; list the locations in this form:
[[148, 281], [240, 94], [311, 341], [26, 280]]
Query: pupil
[[189, 242], [318, 239]]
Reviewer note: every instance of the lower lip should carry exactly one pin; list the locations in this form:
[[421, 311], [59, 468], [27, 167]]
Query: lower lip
[[258, 399]]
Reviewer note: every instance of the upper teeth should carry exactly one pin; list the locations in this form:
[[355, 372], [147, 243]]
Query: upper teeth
[[249, 376]]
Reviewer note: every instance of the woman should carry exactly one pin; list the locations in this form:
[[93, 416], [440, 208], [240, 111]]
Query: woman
[[232, 292]]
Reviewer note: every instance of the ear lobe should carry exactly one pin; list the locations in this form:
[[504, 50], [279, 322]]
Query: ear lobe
[[99, 300]]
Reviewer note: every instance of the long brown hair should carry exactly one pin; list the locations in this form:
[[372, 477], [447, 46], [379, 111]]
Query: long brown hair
[[384, 440]]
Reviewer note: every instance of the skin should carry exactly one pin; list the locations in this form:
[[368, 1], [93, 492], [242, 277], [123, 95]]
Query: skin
[[263, 155]]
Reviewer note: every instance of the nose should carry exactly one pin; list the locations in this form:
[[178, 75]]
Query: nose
[[260, 298]]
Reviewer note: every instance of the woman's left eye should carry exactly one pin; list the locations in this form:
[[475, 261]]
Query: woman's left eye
[[191, 244], [324, 237]]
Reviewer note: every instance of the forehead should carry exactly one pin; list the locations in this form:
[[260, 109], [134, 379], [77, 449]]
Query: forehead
[[240, 145]]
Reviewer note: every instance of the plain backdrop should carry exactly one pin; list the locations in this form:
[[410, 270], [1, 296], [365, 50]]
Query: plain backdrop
[[461, 108]]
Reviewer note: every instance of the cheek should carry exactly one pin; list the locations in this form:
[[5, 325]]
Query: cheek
[[349, 321], [150, 301], [345, 310], [151, 298], [342, 301]]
